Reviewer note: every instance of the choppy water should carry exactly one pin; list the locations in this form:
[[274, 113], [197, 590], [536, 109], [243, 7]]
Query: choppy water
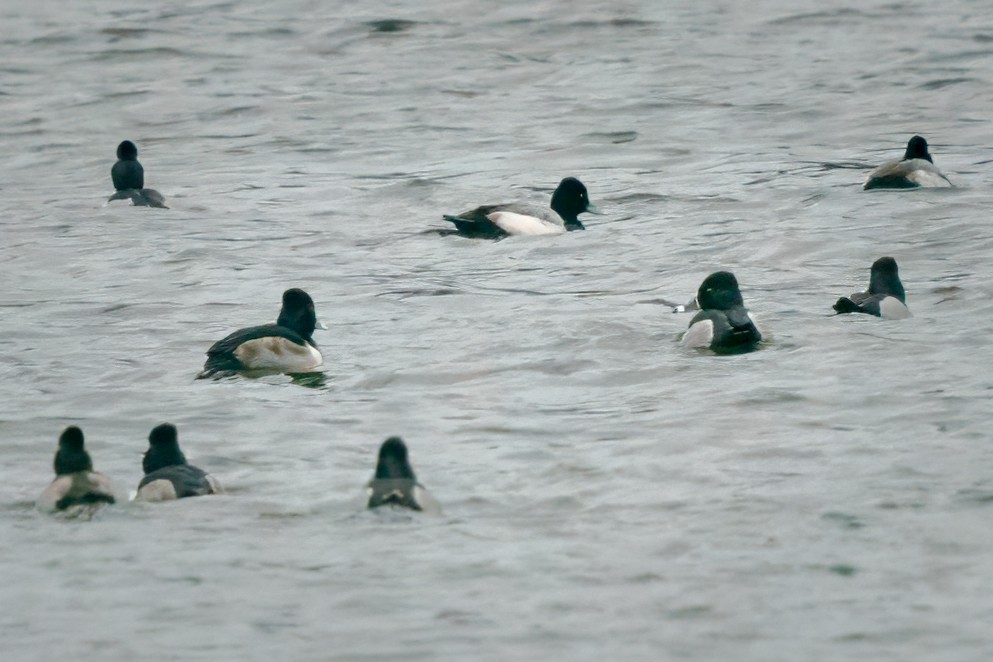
[[607, 494]]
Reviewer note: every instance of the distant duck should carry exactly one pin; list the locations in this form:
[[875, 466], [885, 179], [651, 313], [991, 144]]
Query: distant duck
[[395, 483], [569, 200], [885, 296], [78, 490], [129, 179], [167, 474], [915, 170], [286, 346], [723, 323]]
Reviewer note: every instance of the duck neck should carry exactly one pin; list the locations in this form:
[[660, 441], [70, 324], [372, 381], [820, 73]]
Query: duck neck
[[394, 468], [70, 462], [157, 458]]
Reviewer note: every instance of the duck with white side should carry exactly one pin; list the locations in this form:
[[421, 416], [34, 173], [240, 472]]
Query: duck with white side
[[77, 491], [915, 170], [167, 473], [723, 324], [885, 297], [569, 200], [286, 346]]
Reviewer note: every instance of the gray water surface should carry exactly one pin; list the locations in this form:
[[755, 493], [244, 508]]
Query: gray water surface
[[607, 494]]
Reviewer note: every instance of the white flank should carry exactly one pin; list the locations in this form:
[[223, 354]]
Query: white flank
[[512, 223], [92, 482], [100, 483], [215, 487], [157, 490], [278, 353], [55, 491], [427, 502], [700, 334], [928, 176], [892, 308]]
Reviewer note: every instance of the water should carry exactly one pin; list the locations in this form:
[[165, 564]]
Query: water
[[607, 494]]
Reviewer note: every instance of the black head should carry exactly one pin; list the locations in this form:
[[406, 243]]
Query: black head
[[393, 461], [127, 151], [71, 456], [917, 149], [570, 200], [885, 279], [298, 313], [163, 449], [719, 291]]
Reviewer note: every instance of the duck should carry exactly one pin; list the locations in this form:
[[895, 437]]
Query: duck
[[569, 200], [167, 474], [915, 170], [394, 483], [723, 323], [286, 346], [129, 179], [885, 297], [77, 490]]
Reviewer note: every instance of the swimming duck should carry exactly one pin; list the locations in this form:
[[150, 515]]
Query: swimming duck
[[167, 474], [129, 179], [915, 170], [723, 323], [395, 483], [569, 200], [286, 346], [78, 490], [885, 296]]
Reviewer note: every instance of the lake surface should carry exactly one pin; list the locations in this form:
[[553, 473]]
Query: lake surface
[[607, 494]]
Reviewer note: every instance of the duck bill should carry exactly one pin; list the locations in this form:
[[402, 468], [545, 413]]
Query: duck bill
[[592, 209]]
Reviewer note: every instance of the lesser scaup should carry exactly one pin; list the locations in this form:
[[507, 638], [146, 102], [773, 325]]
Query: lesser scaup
[[286, 346], [129, 179], [395, 483], [916, 169], [885, 296], [78, 490], [167, 475], [723, 323], [569, 200]]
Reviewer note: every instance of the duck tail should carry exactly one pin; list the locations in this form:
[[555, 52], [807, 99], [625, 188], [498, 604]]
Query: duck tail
[[846, 305]]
